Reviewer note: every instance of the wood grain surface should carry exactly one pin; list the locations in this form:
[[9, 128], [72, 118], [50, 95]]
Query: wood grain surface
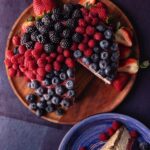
[[93, 95]]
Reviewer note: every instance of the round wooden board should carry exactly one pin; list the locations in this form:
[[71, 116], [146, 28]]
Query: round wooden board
[[94, 96]]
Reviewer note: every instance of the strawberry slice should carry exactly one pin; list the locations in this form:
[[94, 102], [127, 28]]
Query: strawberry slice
[[130, 66], [85, 2], [123, 36], [125, 52], [120, 82]]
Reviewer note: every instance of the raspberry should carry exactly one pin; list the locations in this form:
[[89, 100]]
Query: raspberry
[[86, 39], [41, 62], [74, 46], [90, 30], [103, 137], [94, 11], [38, 46], [49, 59], [48, 68], [116, 125], [88, 52], [59, 50], [88, 19], [15, 66], [57, 66], [8, 62], [41, 72], [9, 54], [39, 78], [21, 60], [43, 56], [80, 30], [82, 23], [70, 62], [67, 53], [60, 58], [53, 55], [13, 59], [28, 53], [110, 131], [133, 134], [84, 11], [102, 14], [32, 65], [12, 72], [30, 74], [98, 36], [100, 5], [22, 49], [22, 68], [36, 54], [91, 43], [82, 47], [94, 21], [16, 40]]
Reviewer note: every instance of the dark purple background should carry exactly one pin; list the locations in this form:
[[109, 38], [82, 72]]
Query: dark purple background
[[21, 130]]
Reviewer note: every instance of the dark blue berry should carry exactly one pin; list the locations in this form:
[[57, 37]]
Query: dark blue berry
[[55, 100], [63, 76], [104, 44], [69, 84], [59, 90], [95, 57], [86, 61], [47, 82], [77, 54], [60, 112], [70, 73], [40, 91], [47, 97], [93, 66], [97, 50], [55, 80], [108, 34], [114, 47], [40, 112], [50, 108], [103, 64], [35, 84], [70, 93], [50, 92], [32, 106], [65, 103], [115, 57], [108, 70], [100, 28], [30, 98], [42, 104], [104, 55]]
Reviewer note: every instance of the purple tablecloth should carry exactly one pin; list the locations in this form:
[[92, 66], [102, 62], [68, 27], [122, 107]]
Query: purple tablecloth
[[21, 130]]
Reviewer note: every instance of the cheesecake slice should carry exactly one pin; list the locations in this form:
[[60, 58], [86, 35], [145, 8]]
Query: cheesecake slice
[[119, 141]]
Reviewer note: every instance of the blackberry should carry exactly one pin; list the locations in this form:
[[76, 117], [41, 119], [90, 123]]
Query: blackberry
[[71, 23], [34, 36], [77, 37], [43, 29], [66, 33], [48, 48], [29, 45], [65, 43], [46, 19], [56, 17], [58, 27], [31, 29], [25, 38], [77, 14], [54, 37], [68, 7], [39, 23], [56, 10], [41, 38]]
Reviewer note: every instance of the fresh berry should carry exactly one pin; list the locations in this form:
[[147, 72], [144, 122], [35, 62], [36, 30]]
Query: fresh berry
[[110, 131], [56, 66], [104, 44], [133, 134], [60, 112], [102, 14], [63, 76], [86, 60], [60, 58], [103, 64], [41, 62], [21, 49], [9, 54], [58, 27], [82, 23], [40, 91], [25, 38], [31, 98], [59, 90], [41, 39], [70, 62], [103, 137], [69, 84], [48, 68], [85, 39], [77, 54], [41, 71], [12, 72], [71, 23], [95, 58], [104, 55], [116, 125], [35, 84], [65, 43], [82, 47], [55, 80], [98, 36], [77, 37], [59, 49], [90, 30], [65, 103], [93, 66], [47, 82], [80, 30], [91, 43], [54, 37], [40, 112], [8, 62], [16, 40], [108, 34], [48, 48], [88, 52], [77, 13], [70, 73], [67, 53], [32, 106], [50, 108], [100, 28], [94, 21], [38, 46], [71, 93], [74, 46], [66, 33], [55, 100]]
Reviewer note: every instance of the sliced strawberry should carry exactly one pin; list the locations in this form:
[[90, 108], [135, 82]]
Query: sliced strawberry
[[84, 2], [123, 36], [120, 82], [25, 25], [125, 52], [130, 66]]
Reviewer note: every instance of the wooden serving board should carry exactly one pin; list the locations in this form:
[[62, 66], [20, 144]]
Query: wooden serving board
[[94, 96]]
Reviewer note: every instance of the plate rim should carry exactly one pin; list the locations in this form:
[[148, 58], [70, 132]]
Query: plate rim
[[102, 116]]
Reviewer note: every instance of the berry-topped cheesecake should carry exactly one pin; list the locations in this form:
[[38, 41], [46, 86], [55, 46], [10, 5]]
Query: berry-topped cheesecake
[[58, 37]]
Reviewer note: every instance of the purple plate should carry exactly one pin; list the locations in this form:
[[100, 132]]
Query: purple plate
[[86, 132]]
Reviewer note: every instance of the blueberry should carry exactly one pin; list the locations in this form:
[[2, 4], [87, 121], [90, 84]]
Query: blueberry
[[63, 76], [32, 106], [97, 49], [111, 77], [59, 90], [104, 44], [56, 73], [49, 102], [47, 82], [30, 98], [40, 112], [50, 108], [115, 57], [101, 72], [70, 73], [55, 80], [69, 84], [47, 97], [104, 55], [77, 54], [29, 84], [65, 103], [50, 92], [50, 75], [40, 91], [95, 58], [86, 61], [100, 28], [108, 70], [42, 105], [114, 47], [55, 100], [108, 34], [103, 64], [60, 112], [70, 93], [93, 66], [42, 99], [35, 84]]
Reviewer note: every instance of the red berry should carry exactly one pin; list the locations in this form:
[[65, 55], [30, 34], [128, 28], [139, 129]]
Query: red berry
[[88, 19], [15, 66], [8, 62], [103, 137], [38, 46], [67, 53], [39, 78], [22, 49], [49, 59], [12, 72], [85, 11], [41, 71], [110, 131], [88, 52], [53, 55], [60, 58], [82, 47], [9, 54], [16, 40], [90, 30], [59, 49], [133, 134], [116, 125], [94, 11], [32, 65], [30, 74], [98, 36], [94, 21], [13, 59], [91, 43], [86, 39], [28, 53], [102, 14], [41, 62], [100, 5], [74, 46], [80, 30], [48, 68], [43, 55], [70, 62], [21, 60], [36, 54], [82, 23], [57, 66]]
